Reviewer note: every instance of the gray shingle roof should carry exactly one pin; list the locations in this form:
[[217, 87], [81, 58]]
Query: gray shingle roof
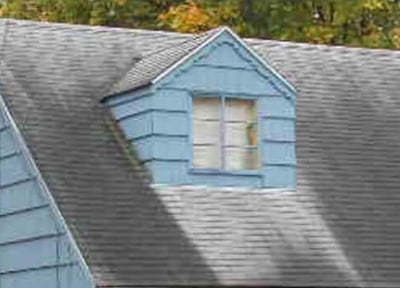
[[259, 237], [341, 227], [152, 65], [52, 78]]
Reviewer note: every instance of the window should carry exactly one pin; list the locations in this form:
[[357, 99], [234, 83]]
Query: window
[[225, 133]]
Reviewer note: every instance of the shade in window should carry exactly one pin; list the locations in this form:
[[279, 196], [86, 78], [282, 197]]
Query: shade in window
[[225, 133], [206, 132]]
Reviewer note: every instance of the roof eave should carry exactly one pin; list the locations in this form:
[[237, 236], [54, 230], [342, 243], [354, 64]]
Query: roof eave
[[119, 93]]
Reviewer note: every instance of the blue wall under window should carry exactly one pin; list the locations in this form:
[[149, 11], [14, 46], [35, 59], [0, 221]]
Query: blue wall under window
[[157, 120]]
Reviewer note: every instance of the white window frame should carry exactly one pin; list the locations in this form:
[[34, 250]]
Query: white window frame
[[222, 143]]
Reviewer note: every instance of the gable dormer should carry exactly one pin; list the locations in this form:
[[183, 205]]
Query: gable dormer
[[209, 111]]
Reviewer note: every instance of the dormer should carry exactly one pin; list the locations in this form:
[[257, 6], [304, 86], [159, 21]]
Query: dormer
[[209, 111]]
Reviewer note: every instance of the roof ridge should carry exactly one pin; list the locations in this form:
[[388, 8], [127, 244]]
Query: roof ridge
[[259, 41], [162, 32], [167, 48], [88, 26], [60, 24]]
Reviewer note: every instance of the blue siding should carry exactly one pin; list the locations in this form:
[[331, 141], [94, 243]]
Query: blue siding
[[159, 123], [144, 148], [134, 115], [226, 180], [279, 176], [277, 107], [7, 146], [170, 123], [165, 100], [13, 169], [224, 55], [41, 252], [27, 224], [133, 107], [35, 251], [43, 278], [138, 125], [162, 147], [278, 129], [211, 50], [223, 80], [279, 153], [48, 277], [169, 172], [171, 148], [29, 195]]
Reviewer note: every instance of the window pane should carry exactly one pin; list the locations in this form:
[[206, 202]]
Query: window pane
[[206, 108], [206, 156], [241, 134], [240, 110], [207, 132], [241, 158]]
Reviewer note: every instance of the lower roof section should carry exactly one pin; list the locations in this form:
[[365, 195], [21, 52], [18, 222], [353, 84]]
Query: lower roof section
[[260, 237]]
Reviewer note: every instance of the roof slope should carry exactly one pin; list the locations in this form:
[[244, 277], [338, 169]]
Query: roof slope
[[260, 237], [348, 149], [340, 228], [152, 65], [52, 78]]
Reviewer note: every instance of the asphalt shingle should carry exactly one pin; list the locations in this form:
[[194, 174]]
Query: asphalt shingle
[[341, 227], [152, 65]]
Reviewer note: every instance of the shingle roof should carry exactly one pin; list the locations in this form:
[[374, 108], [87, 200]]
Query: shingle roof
[[341, 227], [152, 65], [260, 237], [53, 78]]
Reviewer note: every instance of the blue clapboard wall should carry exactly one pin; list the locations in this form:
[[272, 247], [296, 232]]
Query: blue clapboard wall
[[35, 251], [157, 120]]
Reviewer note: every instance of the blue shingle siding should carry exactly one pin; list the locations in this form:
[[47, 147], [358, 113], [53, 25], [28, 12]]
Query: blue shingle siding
[[34, 248], [158, 119]]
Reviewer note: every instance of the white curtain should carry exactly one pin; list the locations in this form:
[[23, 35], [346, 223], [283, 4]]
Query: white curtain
[[207, 132], [239, 128]]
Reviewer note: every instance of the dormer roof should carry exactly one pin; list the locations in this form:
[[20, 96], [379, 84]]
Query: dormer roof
[[151, 66], [157, 65]]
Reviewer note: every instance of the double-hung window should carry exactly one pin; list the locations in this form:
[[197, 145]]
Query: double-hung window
[[225, 133]]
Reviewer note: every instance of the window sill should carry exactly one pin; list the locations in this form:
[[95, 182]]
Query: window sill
[[210, 171]]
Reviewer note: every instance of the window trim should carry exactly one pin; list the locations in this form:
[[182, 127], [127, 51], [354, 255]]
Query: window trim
[[222, 171]]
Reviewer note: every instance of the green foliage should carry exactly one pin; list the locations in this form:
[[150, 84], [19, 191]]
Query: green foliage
[[123, 13], [369, 23]]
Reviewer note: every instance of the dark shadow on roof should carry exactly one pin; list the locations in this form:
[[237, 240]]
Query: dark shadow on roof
[[52, 79]]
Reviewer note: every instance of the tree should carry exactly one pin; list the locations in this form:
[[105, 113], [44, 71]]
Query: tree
[[122, 13], [194, 16], [369, 23]]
